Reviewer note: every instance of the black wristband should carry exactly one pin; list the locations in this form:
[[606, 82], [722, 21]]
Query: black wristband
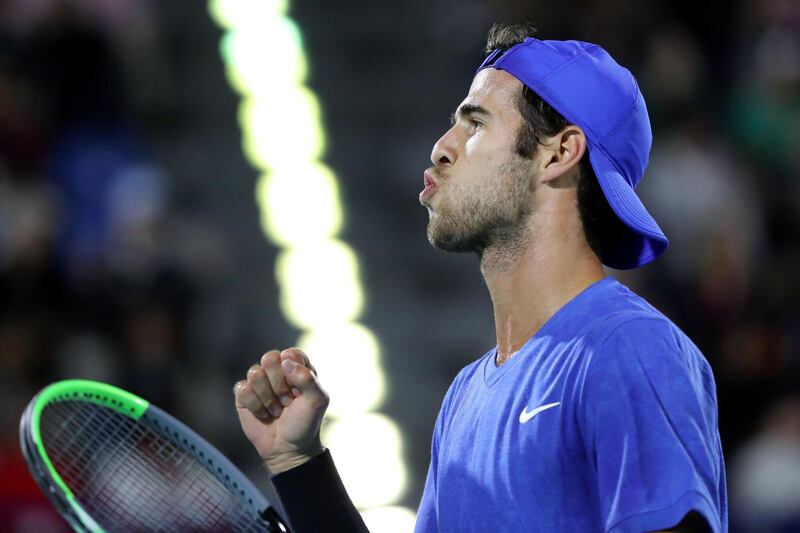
[[315, 500]]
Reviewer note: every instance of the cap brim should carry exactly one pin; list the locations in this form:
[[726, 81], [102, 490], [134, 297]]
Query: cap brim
[[645, 241]]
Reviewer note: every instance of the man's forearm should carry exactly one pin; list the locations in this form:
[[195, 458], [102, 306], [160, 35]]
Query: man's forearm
[[315, 499]]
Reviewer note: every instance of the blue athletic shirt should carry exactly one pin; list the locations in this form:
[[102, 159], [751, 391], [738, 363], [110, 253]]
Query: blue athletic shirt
[[605, 420]]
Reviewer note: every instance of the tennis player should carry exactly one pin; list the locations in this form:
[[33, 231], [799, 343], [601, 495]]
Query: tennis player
[[594, 412]]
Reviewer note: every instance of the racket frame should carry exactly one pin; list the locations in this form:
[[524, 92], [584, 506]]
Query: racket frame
[[149, 415]]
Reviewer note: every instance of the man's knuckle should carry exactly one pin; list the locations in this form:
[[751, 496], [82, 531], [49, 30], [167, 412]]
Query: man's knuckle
[[252, 405], [270, 358], [319, 402], [271, 403]]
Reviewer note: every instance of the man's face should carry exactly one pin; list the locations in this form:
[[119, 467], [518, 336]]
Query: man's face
[[478, 192]]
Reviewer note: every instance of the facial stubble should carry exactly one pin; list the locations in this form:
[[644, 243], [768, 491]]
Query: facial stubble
[[491, 214]]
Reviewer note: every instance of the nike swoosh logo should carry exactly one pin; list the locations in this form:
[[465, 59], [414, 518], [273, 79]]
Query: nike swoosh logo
[[526, 415]]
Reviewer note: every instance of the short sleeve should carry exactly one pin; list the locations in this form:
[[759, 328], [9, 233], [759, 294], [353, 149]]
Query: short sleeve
[[427, 518], [650, 418]]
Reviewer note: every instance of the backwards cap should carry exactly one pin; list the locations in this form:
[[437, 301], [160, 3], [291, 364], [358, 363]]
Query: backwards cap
[[588, 88]]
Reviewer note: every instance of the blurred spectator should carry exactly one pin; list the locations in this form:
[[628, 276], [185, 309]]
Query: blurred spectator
[[702, 197], [765, 474], [86, 287], [674, 76], [765, 109]]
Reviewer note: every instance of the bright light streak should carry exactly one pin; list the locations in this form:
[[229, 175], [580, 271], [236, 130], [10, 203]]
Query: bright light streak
[[253, 67], [362, 444], [318, 275], [349, 367], [282, 130], [299, 205], [243, 13], [320, 284], [390, 519]]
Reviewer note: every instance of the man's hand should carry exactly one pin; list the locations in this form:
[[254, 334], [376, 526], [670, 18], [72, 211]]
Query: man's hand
[[280, 407]]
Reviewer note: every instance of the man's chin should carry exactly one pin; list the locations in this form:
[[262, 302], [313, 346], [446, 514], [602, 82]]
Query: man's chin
[[450, 241], [436, 237]]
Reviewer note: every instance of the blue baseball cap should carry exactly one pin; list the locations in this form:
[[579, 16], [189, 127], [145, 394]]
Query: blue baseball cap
[[588, 88]]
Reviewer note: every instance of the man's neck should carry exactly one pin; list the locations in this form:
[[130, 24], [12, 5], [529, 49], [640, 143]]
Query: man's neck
[[529, 283]]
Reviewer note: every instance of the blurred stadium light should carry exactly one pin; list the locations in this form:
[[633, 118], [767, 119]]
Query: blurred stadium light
[[317, 274]]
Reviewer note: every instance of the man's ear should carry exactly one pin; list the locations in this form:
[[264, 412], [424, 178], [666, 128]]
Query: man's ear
[[562, 152]]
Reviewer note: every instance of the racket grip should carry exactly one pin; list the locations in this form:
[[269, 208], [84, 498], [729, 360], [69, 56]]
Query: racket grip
[[276, 523]]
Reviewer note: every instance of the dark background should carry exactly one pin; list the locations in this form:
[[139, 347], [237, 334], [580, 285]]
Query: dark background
[[130, 248]]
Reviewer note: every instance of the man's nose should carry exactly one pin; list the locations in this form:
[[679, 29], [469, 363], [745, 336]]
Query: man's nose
[[444, 151]]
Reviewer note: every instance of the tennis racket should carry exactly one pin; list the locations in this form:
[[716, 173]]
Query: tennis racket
[[110, 461]]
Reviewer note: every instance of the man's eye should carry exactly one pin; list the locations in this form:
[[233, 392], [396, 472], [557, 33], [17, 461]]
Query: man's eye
[[476, 124]]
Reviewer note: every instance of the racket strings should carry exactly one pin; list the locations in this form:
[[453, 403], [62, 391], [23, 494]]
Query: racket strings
[[128, 476]]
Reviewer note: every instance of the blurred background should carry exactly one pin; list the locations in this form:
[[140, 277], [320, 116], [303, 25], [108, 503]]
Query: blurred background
[[158, 228]]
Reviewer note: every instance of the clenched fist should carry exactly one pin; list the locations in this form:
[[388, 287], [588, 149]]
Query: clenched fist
[[280, 407]]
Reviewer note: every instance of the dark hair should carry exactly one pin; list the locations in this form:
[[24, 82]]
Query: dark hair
[[601, 226]]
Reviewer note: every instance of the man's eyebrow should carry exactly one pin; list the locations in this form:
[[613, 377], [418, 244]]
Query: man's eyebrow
[[469, 109]]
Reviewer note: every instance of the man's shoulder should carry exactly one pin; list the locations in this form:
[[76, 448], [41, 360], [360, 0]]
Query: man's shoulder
[[632, 331], [647, 348], [626, 314], [472, 369], [466, 374]]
